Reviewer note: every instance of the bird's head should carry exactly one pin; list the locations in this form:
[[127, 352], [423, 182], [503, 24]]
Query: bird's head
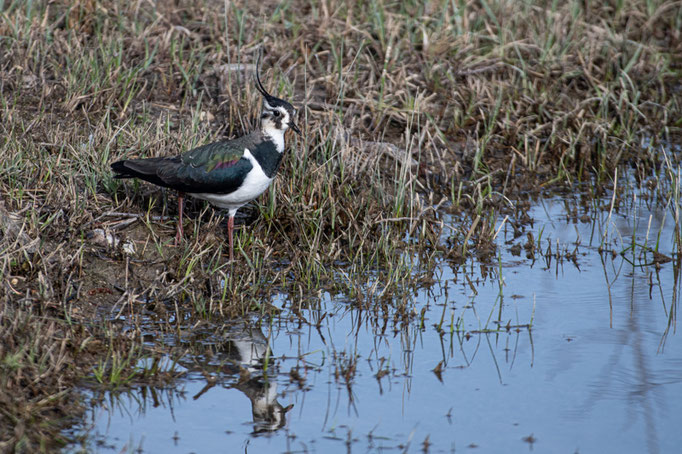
[[277, 114]]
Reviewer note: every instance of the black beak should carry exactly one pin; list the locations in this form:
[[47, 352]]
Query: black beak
[[293, 126]]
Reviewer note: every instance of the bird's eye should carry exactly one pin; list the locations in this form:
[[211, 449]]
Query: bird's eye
[[275, 113]]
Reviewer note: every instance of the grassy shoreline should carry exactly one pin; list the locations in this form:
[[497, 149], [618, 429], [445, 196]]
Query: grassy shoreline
[[408, 110]]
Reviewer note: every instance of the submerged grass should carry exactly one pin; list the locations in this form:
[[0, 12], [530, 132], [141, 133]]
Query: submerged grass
[[409, 110]]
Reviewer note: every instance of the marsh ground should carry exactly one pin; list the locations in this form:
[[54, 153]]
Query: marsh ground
[[425, 125]]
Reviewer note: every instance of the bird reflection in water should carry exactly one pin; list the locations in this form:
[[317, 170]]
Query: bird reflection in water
[[246, 352]]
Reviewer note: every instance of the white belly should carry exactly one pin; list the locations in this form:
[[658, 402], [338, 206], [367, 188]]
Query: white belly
[[255, 183]]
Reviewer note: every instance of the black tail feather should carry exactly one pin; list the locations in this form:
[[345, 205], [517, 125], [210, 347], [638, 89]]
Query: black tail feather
[[121, 171], [159, 171]]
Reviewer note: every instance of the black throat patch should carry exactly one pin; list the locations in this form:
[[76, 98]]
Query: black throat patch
[[267, 156]]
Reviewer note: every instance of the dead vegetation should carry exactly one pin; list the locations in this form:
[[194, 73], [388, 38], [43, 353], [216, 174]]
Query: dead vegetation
[[410, 110]]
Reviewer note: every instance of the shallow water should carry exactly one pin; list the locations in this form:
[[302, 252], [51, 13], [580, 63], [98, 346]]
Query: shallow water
[[600, 370]]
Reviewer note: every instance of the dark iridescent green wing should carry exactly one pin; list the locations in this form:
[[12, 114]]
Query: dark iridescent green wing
[[214, 156], [218, 168]]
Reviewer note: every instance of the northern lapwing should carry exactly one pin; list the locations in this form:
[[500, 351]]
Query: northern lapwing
[[228, 173]]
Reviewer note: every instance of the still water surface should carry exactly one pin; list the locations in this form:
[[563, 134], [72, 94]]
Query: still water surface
[[596, 372]]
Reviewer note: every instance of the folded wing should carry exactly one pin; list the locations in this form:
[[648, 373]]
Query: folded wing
[[218, 168]]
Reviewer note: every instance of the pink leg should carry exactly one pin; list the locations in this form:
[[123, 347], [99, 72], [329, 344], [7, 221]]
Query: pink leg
[[180, 232], [230, 227]]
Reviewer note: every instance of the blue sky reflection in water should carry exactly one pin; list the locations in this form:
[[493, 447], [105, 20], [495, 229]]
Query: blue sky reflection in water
[[596, 373]]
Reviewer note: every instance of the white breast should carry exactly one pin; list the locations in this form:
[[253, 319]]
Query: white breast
[[255, 183]]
